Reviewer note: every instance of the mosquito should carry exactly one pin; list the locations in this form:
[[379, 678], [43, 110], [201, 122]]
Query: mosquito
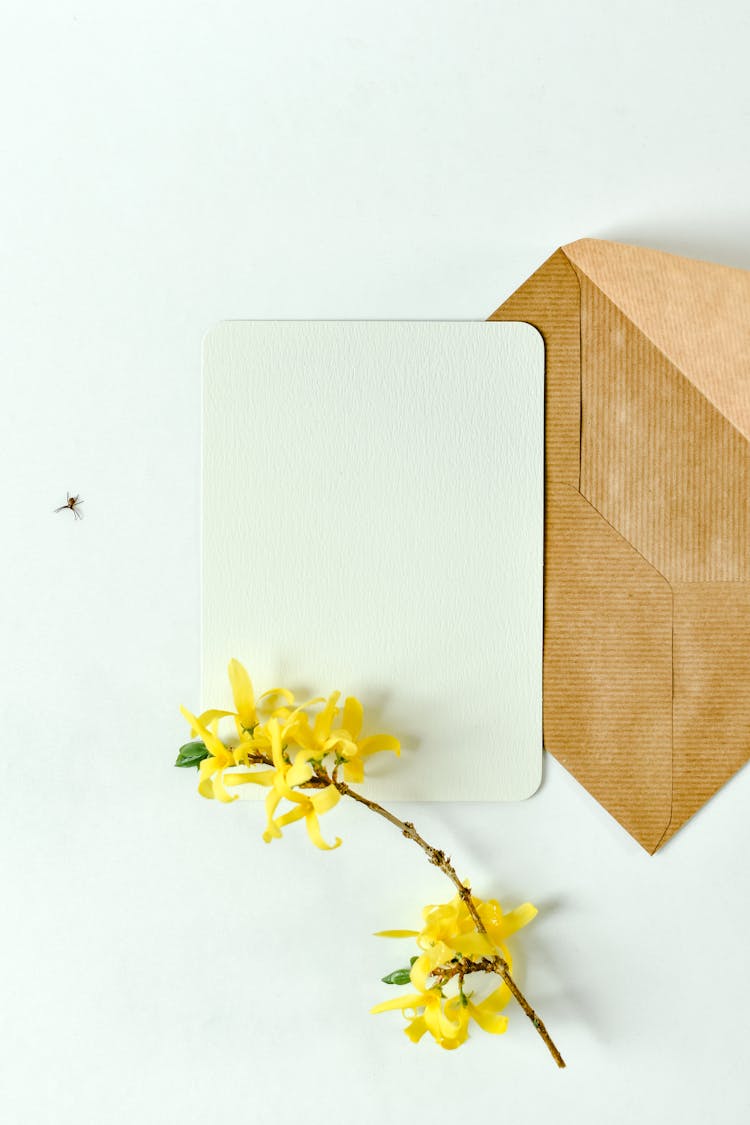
[[72, 502]]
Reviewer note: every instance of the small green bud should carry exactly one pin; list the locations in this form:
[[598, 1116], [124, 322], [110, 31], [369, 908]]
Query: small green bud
[[398, 976]]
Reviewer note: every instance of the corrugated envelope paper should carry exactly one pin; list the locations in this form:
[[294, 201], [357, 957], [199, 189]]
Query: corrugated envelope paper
[[647, 556]]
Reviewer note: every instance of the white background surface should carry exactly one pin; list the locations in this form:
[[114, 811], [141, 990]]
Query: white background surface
[[165, 165]]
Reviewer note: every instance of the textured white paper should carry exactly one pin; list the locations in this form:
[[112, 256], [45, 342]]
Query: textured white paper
[[372, 522]]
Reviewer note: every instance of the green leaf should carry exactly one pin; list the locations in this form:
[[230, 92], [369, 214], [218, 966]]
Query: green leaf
[[191, 754], [413, 959], [398, 976]]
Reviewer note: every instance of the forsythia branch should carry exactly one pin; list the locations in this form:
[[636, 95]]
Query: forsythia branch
[[291, 744], [496, 964]]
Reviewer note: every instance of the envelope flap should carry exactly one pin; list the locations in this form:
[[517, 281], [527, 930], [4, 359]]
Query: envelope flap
[[658, 460], [696, 313]]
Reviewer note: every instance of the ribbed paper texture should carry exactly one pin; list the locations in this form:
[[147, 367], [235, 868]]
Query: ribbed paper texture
[[647, 559]]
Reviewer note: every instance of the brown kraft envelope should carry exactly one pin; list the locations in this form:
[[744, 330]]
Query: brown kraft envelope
[[647, 525]]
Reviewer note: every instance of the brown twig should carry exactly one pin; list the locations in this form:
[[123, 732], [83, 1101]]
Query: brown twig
[[497, 963]]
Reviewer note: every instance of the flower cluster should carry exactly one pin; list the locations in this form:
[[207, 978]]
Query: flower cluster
[[450, 947], [298, 746]]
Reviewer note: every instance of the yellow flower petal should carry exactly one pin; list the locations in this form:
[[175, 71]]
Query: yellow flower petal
[[451, 1044], [454, 1017], [496, 1000], [352, 716], [354, 770], [300, 712], [210, 782], [471, 945], [272, 699], [259, 777], [396, 933], [274, 735], [272, 801], [325, 799], [432, 1017], [313, 831], [291, 816], [299, 731], [487, 1020], [515, 919], [416, 1029], [301, 771], [377, 742], [413, 1000], [206, 788], [340, 743], [420, 971], [220, 791], [207, 717], [214, 745], [324, 719], [242, 691]]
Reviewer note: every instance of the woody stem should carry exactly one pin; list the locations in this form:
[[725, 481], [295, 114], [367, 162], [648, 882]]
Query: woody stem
[[495, 964]]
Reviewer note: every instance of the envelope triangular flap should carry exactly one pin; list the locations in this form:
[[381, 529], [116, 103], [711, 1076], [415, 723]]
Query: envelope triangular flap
[[696, 313], [659, 461]]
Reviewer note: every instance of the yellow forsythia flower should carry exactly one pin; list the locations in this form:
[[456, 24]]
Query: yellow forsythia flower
[[298, 743], [343, 741], [304, 806], [449, 932], [220, 758], [447, 1017], [246, 713]]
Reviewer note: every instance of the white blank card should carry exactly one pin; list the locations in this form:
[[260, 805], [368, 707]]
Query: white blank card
[[372, 522]]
